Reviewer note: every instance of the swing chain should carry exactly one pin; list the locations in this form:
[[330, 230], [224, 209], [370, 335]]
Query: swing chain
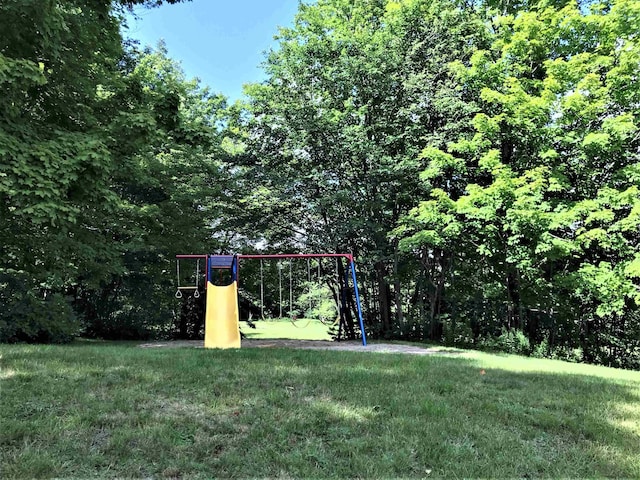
[[290, 291], [178, 292], [261, 290], [195, 288], [280, 285], [309, 285], [196, 292]]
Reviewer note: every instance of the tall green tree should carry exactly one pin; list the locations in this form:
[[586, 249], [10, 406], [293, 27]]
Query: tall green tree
[[110, 163], [548, 218], [354, 91], [170, 188], [55, 156]]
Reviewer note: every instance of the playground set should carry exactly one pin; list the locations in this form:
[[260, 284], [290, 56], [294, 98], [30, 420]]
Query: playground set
[[222, 309]]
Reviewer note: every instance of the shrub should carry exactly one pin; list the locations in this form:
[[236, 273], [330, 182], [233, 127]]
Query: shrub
[[317, 302], [557, 352], [509, 341], [456, 333], [28, 316]]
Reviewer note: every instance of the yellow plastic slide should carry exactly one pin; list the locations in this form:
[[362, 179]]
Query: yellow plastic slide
[[222, 328]]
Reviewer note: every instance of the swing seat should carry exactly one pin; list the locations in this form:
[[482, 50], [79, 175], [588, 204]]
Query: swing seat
[[294, 320]]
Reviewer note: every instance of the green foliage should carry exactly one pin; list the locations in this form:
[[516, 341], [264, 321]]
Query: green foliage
[[544, 349], [28, 318], [317, 302], [509, 341], [110, 163], [357, 100], [480, 161], [546, 221]]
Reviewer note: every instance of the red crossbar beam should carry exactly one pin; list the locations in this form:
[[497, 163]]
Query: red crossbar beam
[[279, 255], [300, 255]]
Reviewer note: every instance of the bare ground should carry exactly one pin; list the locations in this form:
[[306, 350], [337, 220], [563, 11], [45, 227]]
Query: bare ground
[[314, 345]]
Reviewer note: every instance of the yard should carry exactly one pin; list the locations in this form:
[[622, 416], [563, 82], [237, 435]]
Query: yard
[[114, 409]]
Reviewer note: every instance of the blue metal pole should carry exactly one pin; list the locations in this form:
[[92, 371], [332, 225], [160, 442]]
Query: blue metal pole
[[352, 264], [234, 269]]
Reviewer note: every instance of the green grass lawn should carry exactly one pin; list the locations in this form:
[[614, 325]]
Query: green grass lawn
[[110, 410], [299, 330]]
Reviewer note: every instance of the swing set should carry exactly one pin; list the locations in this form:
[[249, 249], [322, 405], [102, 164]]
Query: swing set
[[292, 317], [222, 308]]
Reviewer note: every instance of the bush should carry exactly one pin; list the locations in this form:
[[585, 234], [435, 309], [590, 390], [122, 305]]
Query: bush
[[456, 333], [127, 323], [189, 320], [317, 302], [410, 329], [133, 308], [28, 317], [557, 352], [509, 341]]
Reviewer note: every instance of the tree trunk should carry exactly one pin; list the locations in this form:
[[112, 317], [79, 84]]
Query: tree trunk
[[513, 305], [345, 294], [384, 295], [397, 287]]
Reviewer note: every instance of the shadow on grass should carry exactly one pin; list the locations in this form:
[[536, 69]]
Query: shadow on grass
[[81, 410]]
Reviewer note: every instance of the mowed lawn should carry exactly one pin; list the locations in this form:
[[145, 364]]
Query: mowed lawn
[[112, 410]]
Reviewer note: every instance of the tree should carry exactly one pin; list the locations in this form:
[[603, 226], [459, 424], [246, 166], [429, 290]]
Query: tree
[[108, 157], [55, 157], [170, 188], [548, 216], [353, 92]]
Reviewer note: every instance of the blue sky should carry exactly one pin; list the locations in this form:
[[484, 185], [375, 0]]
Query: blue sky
[[221, 42]]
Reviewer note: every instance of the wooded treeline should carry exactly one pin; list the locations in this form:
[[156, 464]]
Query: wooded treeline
[[480, 159]]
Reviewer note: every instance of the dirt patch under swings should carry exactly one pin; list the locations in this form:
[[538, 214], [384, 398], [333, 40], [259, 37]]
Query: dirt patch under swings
[[314, 345]]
